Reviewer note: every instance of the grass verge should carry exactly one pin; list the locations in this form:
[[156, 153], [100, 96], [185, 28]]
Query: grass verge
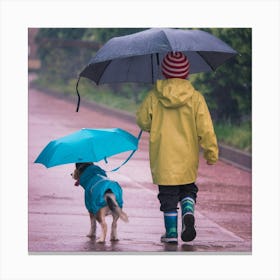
[[89, 91], [238, 136]]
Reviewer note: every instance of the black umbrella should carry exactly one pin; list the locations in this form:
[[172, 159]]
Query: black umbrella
[[137, 57]]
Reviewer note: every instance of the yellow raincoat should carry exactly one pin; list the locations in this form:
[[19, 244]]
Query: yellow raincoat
[[178, 119]]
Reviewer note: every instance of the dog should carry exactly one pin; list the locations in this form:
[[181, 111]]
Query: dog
[[102, 197]]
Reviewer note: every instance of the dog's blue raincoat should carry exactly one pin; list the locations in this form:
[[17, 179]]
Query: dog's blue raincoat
[[95, 182]]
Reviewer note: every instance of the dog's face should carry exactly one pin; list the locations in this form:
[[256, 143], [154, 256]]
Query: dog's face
[[80, 167], [75, 175]]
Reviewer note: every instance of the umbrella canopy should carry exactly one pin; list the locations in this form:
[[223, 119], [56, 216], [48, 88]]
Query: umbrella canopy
[[87, 145], [137, 57]]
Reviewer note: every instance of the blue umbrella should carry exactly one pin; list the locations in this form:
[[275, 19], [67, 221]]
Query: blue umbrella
[[137, 57], [87, 145]]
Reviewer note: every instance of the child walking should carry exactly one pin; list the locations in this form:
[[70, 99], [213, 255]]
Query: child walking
[[179, 123]]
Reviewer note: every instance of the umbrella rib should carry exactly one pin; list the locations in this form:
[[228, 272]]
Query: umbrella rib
[[152, 64], [100, 76], [152, 68], [171, 49], [204, 58]]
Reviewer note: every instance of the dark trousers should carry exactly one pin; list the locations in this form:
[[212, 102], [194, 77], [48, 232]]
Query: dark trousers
[[170, 196]]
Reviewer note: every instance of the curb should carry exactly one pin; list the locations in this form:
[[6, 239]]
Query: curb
[[88, 104], [235, 157], [227, 154]]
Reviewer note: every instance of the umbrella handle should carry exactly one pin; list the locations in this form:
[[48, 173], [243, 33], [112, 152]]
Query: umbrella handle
[[130, 156], [78, 94]]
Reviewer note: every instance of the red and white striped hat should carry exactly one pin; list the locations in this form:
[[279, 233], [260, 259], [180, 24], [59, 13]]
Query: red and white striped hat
[[175, 65]]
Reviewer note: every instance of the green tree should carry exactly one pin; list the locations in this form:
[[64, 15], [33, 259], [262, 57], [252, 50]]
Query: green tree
[[60, 62], [228, 91], [61, 33]]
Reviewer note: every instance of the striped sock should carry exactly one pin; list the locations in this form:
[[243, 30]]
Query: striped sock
[[187, 205]]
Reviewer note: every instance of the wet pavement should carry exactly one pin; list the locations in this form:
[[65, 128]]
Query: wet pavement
[[57, 218]]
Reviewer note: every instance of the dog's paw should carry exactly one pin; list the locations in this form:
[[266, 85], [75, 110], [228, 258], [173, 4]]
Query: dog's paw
[[100, 240], [114, 239]]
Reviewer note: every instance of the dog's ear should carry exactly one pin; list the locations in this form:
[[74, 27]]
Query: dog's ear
[[79, 164], [82, 166]]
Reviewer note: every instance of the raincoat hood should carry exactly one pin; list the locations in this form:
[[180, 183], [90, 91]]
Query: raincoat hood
[[174, 93]]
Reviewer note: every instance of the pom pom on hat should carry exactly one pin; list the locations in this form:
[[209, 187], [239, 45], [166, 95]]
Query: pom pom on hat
[[175, 65]]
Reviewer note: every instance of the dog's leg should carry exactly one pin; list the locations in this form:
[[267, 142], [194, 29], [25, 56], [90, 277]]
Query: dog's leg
[[92, 231], [114, 236], [101, 219]]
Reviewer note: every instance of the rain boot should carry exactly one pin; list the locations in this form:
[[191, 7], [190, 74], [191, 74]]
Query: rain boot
[[170, 222], [188, 220]]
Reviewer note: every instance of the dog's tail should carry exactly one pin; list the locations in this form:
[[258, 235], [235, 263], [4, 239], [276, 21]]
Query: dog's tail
[[114, 207]]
